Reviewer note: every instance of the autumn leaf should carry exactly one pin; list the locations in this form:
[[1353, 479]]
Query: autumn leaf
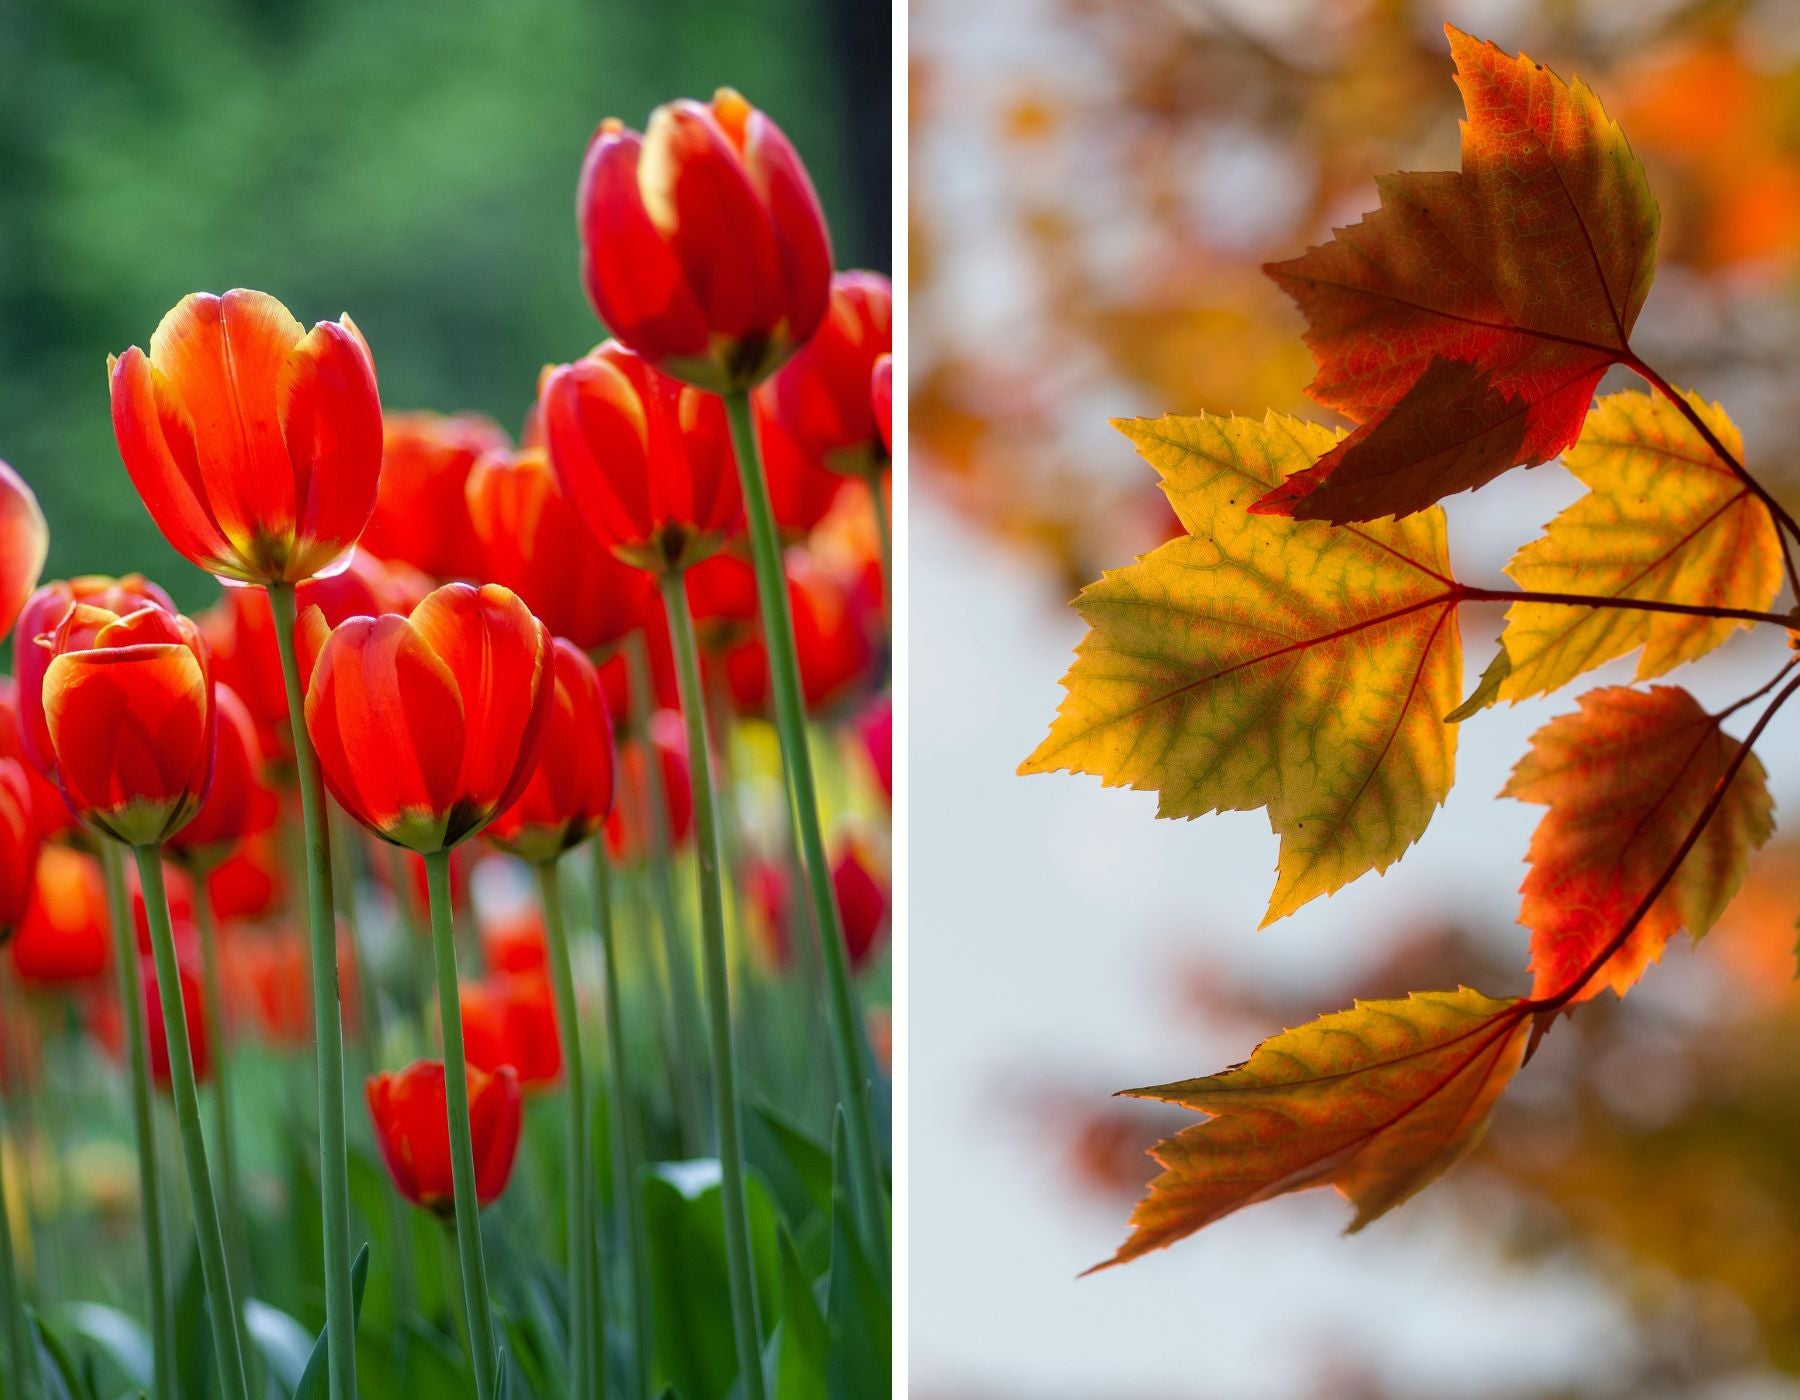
[[1377, 1101], [1625, 778], [1466, 323], [1266, 662], [1664, 520]]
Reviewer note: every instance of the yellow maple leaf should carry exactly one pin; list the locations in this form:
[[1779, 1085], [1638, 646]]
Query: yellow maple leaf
[[1664, 520], [1267, 662]]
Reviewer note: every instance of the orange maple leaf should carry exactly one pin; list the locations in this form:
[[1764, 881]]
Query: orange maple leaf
[[1378, 1101], [1466, 323], [1625, 778]]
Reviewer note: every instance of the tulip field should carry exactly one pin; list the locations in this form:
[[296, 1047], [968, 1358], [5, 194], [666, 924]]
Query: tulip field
[[454, 962]]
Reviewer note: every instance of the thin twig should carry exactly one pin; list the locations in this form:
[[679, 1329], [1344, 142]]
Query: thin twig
[[1467, 592], [1777, 512]]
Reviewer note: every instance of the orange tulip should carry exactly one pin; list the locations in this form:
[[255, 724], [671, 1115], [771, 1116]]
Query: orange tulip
[[703, 245], [129, 707], [239, 803], [412, 1126], [24, 544], [822, 400], [570, 790], [255, 444], [43, 613], [421, 510], [532, 541], [65, 936], [20, 841], [646, 460], [428, 726], [510, 1021]]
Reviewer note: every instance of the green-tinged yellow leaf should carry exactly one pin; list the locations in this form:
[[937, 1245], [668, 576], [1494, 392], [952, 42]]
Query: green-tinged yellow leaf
[[1487, 689], [1377, 1101], [1268, 662], [1664, 520]]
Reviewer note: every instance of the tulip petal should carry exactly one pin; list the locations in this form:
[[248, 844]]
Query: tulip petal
[[222, 357], [778, 175], [499, 655], [631, 274], [156, 443], [330, 416], [24, 543], [698, 195]]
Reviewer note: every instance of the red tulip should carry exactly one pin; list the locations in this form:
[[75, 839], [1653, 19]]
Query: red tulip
[[20, 841], [267, 978], [412, 1125], [617, 680], [251, 882], [428, 726], [822, 399], [802, 490], [831, 640], [646, 460], [255, 444], [516, 942], [421, 511], [43, 614], [24, 544], [239, 803], [66, 933], [510, 1020], [703, 245], [862, 900], [49, 813], [108, 1026], [876, 730], [626, 833], [881, 399], [769, 898], [570, 789], [129, 706], [532, 541]]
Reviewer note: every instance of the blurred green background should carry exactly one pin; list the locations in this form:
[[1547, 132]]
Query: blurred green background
[[411, 164]]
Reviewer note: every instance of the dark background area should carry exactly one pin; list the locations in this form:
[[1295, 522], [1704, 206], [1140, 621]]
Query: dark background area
[[411, 164]]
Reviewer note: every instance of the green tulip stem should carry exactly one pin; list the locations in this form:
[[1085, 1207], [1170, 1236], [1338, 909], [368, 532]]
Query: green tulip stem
[[462, 1149], [624, 1132], [328, 1018], [745, 1328], [848, 1046], [143, 1121], [587, 1327], [215, 1271]]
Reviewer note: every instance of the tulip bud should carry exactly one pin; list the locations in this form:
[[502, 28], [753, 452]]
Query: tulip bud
[[703, 245], [128, 704], [646, 460], [428, 726], [411, 1115]]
